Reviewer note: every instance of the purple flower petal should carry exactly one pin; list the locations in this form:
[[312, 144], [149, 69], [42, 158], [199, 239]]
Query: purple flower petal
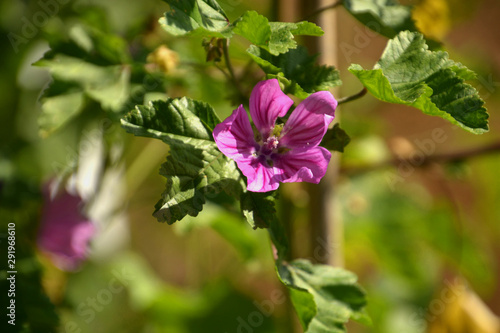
[[304, 165], [262, 160], [64, 232], [234, 136], [309, 122], [260, 178], [267, 103]]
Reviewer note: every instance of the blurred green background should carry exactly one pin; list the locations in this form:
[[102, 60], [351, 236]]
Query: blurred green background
[[424, 240]]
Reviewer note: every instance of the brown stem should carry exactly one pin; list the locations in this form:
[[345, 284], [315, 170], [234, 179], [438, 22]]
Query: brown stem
[[437, 158], [325, 231]]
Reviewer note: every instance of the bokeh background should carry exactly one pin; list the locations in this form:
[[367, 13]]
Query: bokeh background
[[423, 239]]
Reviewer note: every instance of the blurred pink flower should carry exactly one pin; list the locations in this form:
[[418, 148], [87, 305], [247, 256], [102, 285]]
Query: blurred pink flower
[[278, 153], [64, 231]]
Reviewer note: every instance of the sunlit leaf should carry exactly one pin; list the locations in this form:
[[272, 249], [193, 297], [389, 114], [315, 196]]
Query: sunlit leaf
[[408, 73], [254, 27], [386, 17], [324, 297], [195, 168], [199, 17], [308, 29], [275, 37]]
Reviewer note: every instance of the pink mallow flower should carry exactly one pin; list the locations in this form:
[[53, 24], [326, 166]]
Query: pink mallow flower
[[275, 153], [64, 231]]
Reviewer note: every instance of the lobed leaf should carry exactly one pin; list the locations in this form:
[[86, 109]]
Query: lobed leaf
[[195, 169], [254, 27], [196, 17], [180, 116], [335, 139], [90, 64], [308, 29], [408, 73], [298, 70], [275, 37], [324, 297], [387, 17], [259, 210], [60, 103]]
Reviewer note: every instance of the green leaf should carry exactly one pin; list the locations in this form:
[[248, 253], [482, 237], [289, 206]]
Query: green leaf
[[335, 139], [88, 64], [74, 80], [303, 76], [408, 73], [288, 86], [61, 102], [259, 210], [180, 116], [269, 63], [195, 169], [308, 29], [230, 227], [196, 17], [387, 17], [281, 37], [253, 27], [101, 76], [275, 37], [324, 297], [110, 86]]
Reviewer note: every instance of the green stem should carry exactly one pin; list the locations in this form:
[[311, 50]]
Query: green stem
[[229, 65], [353, 97], [225, 49], [223, 72]]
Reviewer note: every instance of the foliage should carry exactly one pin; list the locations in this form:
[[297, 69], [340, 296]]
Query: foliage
[[297, 70], [100, 71], [194, 168], [407, 73], [336, 139], [325, 297], [89, 63], [274, 37], [386, 17], [203, 17]]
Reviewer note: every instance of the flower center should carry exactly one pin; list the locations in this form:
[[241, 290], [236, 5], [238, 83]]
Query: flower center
[[269, 146], [267, 150]]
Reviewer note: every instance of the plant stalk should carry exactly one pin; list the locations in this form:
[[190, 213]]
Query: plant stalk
[[229, 65], [352, 97]]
